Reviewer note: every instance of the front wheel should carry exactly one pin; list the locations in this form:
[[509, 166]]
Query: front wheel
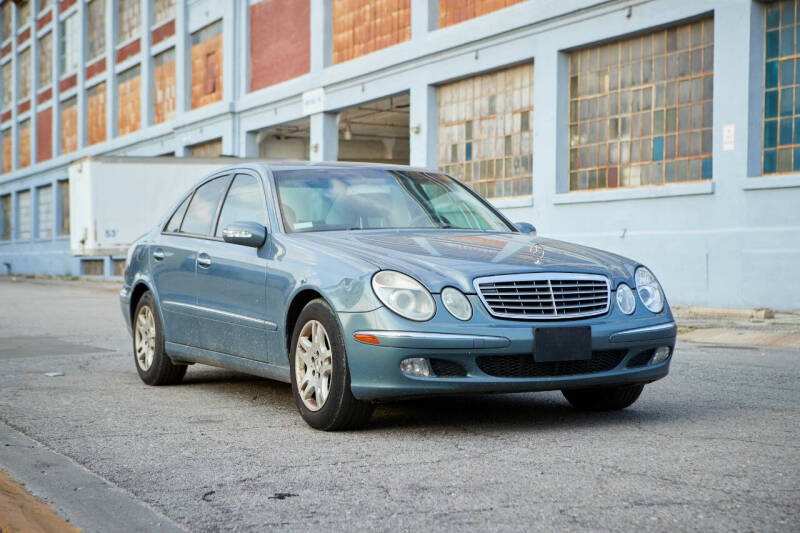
[[152, 362], [320, 374], [603, 399]]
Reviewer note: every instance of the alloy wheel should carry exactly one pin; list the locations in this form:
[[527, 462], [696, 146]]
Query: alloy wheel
[[313, 365], [145, 338]]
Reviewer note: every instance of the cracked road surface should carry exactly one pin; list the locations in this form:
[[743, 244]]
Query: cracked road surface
[[714, 446]]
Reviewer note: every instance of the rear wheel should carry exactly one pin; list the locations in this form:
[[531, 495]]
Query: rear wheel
[[603, 399], [320, 374], [152, 362]]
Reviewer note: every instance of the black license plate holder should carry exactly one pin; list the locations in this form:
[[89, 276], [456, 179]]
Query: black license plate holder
[[555, 344]]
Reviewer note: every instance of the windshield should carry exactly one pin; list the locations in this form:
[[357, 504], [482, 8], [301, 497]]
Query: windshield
[[356, 199]]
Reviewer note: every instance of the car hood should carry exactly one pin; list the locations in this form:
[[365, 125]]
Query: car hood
[[438, 258]]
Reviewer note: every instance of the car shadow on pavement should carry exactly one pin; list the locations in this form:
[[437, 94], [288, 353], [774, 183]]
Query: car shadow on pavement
[[540, 411]]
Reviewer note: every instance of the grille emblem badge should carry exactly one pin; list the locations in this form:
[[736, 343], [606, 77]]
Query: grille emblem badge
[[537, 252]]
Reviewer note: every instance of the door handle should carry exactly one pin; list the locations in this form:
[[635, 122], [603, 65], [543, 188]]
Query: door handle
[[158, 254], [204, 260]]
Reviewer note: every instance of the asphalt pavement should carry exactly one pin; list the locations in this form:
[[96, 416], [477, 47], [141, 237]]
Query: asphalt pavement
[[715, 446]]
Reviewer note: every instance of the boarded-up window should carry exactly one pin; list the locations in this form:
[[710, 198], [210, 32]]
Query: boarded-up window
[[207, 65], [5, 217], [6, 14], [128, 25], [69, 125], [44, 4], [46, 59], [24, 75], [485, 131], [206, 149], [119, 267], [163, 10], [25, 143], [640, 109], [455, 11], [96, 20], [63, 194], [69, 55], [7, 150], [279, 22], [96, 97], [164, 86], [363, 26], [8, 85], [92, 267], [129, 102], [25, 214], [45, 217]]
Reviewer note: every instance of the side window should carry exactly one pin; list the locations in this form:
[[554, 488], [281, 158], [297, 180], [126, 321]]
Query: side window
[[243, 204], [200, 215], [174, 224]]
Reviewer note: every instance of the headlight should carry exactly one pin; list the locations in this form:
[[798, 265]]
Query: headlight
[[404, 295], [649, 290], [456, 303], [626, 301]]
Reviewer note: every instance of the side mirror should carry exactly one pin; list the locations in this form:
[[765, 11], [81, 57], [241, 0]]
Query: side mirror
[[245, 234], [525, 227]]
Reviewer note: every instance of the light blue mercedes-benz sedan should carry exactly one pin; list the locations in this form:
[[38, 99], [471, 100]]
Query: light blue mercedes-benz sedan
[[359, 283]]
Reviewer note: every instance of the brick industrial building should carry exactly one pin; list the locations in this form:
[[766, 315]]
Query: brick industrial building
[[667, 130]]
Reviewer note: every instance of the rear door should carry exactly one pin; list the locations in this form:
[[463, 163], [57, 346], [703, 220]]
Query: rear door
[[173, 261], [231, 279]]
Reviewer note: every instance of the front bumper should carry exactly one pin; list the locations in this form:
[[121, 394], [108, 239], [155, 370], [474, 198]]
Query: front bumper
[[481, 346], [125, 305]]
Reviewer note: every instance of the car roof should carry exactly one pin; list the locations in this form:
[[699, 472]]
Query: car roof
[[279, 165]]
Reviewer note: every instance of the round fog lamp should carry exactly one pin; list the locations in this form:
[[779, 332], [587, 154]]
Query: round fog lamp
[[625, 299], [415, 366], [660, 355]]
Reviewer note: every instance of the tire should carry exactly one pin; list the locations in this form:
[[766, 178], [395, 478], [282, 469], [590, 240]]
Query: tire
[[603, 399], [320, 374], [151, 360]]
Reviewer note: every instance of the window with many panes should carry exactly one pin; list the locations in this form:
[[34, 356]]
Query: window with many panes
[[23, 13], [8, 86], [6, 15], [69, 51], [96, 20], [24, 74], [641, 109], [25, 215], [128, 25], [46, 59], [781, 138], [163, 10], [44, 204], [485, 131]]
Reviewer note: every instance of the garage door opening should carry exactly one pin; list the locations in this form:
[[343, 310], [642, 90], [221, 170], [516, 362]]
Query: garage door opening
[[285, 141], [375, 132]]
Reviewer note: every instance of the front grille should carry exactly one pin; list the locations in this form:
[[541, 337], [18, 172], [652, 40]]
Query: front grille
[[447, 369], [523, 366], [545, 296]]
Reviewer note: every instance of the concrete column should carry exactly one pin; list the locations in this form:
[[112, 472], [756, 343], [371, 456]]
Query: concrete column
[[14, 89], [14, 215], [231, 45], [34, 77], [321, 34], [83, 111], [111, 62], [424, 17], [55, 85], [424, 125], [35, 213], [324, 137], [54, 193], [243, 40], [182, 61], [146, 67]]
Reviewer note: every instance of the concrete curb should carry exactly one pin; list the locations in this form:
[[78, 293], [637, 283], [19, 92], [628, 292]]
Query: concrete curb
[[77, 494]]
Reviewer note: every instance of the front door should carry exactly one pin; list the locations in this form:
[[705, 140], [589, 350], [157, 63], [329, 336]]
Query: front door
[[231, 279]]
